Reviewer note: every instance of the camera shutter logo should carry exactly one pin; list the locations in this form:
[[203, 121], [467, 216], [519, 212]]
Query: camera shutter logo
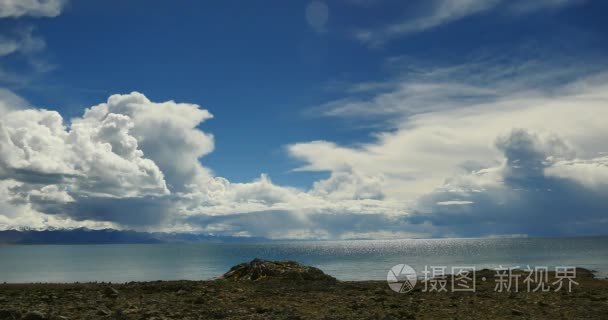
[[401, 278]]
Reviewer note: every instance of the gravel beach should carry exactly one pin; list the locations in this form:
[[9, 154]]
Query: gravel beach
[[278, 297]]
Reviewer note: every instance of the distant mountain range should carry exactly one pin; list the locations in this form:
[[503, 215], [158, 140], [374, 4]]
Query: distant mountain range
[[109, 236]]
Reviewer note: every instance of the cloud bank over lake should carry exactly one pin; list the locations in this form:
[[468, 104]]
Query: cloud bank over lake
[[134, 163]]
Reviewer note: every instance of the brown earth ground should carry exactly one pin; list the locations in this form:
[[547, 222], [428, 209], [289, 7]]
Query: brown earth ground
[[296, 299]]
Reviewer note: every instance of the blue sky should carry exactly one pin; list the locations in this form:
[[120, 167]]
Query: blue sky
[[323, 97]]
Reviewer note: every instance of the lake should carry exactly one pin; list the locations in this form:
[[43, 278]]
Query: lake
[[345, 260]]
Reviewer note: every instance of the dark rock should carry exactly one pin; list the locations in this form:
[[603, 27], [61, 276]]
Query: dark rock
[[259, 269], [261, 310]]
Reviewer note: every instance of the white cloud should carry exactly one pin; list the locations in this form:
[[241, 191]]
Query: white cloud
[[443, 11], [166, 133], [10, 101], [35, 8], [16, 209], [96, 157], [591, 173], [349, 185], [517, 196], [410, 98], [454, 203]]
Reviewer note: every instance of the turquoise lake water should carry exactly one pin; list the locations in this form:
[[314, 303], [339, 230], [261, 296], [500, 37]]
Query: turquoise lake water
[[346, 260]]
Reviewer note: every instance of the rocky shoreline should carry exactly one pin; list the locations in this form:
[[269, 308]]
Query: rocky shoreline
[[287, 290]]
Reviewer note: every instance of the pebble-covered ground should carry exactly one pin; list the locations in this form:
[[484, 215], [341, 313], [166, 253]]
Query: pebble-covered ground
[[290, 299]]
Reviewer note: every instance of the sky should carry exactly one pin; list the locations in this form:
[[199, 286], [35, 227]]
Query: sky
[[341, 119]]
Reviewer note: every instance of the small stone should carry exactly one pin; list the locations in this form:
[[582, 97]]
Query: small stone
[[181, 292], [261, 310], [103, 312], [517, 312], [110, 292]]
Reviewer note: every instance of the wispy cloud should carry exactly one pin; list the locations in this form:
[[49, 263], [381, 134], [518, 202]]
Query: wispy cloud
[[35, 8], [18, 39], [442, 12], [21, 41], [418, 89]]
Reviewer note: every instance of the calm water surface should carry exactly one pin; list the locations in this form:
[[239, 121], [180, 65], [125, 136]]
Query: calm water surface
[[346, 260]]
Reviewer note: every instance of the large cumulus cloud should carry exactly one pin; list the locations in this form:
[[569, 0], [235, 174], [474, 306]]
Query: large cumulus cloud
[[166, 133], [93, 159], [94, 156], [526, 194]]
